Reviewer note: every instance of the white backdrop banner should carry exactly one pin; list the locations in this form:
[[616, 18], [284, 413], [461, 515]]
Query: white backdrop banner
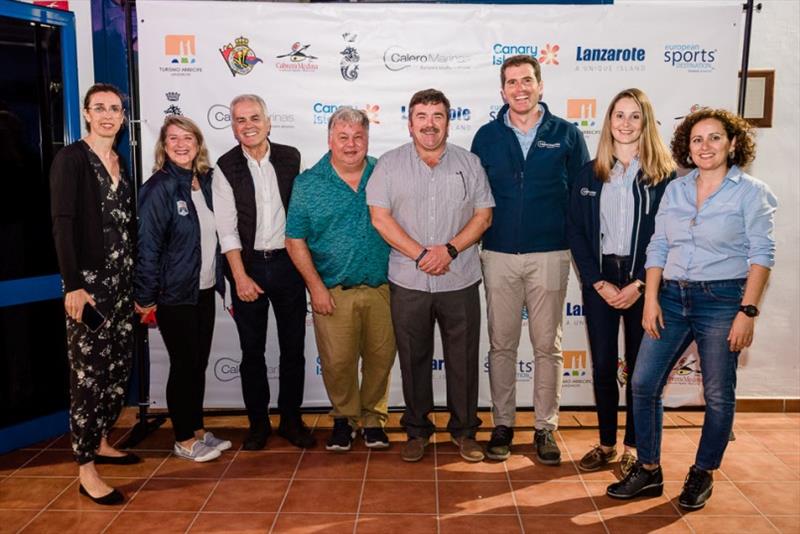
[[307, 60]]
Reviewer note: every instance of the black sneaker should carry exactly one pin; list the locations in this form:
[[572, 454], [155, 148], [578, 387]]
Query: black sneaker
[[640, 482], [342, 436], [375, 438], [547, 451], [696, 489], [499, 446]]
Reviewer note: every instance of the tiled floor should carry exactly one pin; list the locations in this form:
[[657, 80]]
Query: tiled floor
[[287, 490]]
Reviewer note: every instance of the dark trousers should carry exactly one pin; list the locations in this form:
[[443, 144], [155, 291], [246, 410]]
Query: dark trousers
[[459, 316], [602, 323], [284, 289], [187, 331]]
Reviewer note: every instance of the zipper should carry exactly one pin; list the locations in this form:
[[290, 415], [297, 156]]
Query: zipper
[[638, 226]]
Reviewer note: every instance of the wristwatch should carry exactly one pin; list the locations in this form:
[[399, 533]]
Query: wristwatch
[[749, 310], [453, 251]]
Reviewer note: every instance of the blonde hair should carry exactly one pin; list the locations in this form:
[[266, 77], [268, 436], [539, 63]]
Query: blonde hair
[[654, 157], [201, 163]]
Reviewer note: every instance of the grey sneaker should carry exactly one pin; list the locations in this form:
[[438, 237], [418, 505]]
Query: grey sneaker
[[213, 441], [547, 451], [200, 452]]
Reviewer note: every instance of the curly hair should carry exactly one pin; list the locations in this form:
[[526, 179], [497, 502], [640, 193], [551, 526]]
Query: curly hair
[[735, 128]]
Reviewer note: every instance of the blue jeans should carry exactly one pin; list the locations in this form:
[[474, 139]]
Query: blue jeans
[[693, 311]]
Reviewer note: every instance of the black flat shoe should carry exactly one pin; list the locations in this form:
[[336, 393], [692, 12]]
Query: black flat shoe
[[128, 459], [109, 499]]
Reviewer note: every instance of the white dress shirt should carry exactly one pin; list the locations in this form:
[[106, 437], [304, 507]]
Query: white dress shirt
[[270, 214]]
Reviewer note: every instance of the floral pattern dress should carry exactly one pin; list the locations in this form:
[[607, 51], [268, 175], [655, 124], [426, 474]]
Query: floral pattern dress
[[100, 362]]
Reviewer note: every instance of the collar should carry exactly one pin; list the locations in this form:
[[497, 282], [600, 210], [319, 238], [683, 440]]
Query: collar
[[251, 159], [178, 172], [734, 174], [507, 120]]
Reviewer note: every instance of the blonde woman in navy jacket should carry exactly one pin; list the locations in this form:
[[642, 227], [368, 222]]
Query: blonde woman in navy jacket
[[613, 205]]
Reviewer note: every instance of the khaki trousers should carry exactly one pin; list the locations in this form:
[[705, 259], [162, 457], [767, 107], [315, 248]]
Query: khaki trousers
[[539, 281], [360, 327]]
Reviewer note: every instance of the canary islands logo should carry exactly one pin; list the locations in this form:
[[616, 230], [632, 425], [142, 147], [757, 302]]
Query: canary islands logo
[[240, 58], [350, 58]]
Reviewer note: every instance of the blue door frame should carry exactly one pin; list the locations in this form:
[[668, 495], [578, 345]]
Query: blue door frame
[[25, 290]]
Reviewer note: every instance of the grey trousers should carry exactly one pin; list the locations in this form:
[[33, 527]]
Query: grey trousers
[[539, 281], [459, 316]]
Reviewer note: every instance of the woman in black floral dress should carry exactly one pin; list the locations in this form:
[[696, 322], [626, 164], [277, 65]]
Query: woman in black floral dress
[[94, 231]]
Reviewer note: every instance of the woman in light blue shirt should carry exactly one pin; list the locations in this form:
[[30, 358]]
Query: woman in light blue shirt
[[707, 264]]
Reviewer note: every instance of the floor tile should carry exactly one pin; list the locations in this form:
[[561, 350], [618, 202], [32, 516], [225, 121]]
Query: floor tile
[[332, 465], [396, 524], [391, 467], [175, 467], [30, 493], [526, 467], [71, 499], [486, 497], [779, 440], [773, 498], [751, 467], [232, 523], [160, 439], [637, 525], [12, 461], [145, 522], [247, 496], [261, 464], [587, 523], [788, 524], [728, 524], [323, 496], [63, 522], [675, 440], [552, 498], [13, 520], [151, 460], [792, 461], [394, 496], [318, 523], [764, 421], [458, 524], [180, 494], [453, 467], [50, 463]]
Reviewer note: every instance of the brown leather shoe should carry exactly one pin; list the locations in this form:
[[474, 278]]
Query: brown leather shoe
[[414, 449], [469, 449], [596, 458]]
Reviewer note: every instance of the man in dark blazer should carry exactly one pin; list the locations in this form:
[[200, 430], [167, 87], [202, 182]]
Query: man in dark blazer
[[252, 185]]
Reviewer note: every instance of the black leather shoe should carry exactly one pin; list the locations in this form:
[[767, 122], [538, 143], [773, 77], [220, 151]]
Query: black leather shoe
[[109, 499], [128, 459], [640, 482], [696, 489], [256, 438], [297, 433]]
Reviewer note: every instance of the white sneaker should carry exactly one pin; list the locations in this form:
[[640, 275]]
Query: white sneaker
[[213, 441], [200, 452]]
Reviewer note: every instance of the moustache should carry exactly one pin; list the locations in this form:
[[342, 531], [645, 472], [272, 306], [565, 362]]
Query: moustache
[[431, 130]]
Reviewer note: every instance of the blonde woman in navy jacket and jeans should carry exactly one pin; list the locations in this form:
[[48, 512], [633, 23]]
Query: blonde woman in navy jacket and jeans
[[613, 205]]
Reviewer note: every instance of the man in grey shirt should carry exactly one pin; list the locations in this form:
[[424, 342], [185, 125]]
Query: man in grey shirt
[[431, 202]]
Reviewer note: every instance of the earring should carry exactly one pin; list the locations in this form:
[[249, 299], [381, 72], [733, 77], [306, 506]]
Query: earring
[[689, 160]]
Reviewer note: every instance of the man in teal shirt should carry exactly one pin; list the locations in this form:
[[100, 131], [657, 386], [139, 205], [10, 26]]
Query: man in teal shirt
[[344, 263]]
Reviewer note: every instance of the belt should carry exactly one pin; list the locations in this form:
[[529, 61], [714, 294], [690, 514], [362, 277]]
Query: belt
[[702, 283], [269, 254], [345, 288]]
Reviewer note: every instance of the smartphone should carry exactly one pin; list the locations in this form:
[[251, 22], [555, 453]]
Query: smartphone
[[93, 319]]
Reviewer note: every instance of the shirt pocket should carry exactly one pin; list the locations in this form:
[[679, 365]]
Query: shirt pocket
[[456, 187]]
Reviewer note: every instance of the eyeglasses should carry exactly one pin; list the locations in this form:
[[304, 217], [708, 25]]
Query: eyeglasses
[[101, 109]]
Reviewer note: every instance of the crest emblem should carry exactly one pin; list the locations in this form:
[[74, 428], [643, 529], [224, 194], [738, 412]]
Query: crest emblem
[[240, 58], [183, 209], [350, 58]]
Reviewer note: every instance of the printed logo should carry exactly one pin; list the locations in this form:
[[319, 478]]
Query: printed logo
[[575, 368], [240, 58], [687, 370], [494, 110], [173, 109], [545, 144], [573, 311], [524, 369], [226, 369], [350, 58], [396, 58], [321, 112], [608, 59], [297, 60], [219, 118], [546, 55], [690, 57], [181, 51], [582, 112], [183, 209], [460, 117], [586, 192]]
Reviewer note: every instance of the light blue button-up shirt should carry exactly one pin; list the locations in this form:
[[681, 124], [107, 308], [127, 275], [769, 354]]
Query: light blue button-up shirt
[[525, 138], [733, 229], [616, 209]]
